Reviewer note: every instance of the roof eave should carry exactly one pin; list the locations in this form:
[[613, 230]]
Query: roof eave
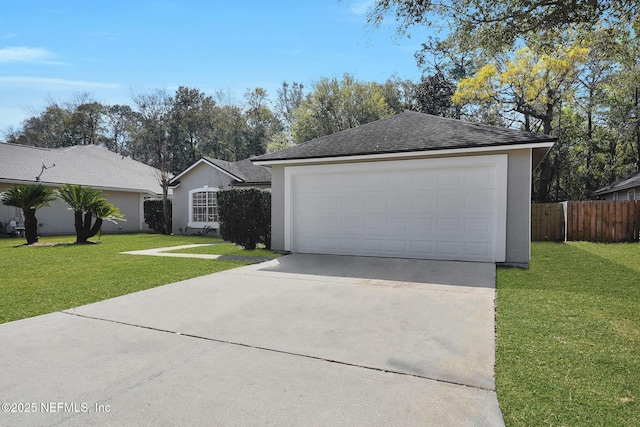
[[404, 154], [616, 189], [96, 187]]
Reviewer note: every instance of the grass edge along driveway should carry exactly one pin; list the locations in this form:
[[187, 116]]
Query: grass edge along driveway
[[568, 336], [37, 280]]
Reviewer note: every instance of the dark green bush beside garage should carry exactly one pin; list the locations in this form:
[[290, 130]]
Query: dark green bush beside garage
[[245, 216]]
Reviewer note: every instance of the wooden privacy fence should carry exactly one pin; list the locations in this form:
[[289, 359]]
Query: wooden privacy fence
[[594, 221]]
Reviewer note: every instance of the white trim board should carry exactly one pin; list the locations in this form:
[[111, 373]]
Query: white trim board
[[203, 160]]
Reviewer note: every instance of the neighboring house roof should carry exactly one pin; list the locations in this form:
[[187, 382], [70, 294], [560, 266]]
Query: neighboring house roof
[[623, 184], [88, 165], [406, 132], [243, 172]]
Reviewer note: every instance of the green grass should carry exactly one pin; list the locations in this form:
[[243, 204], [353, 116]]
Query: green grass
[[41, 279], [568, 336], [228, 249]]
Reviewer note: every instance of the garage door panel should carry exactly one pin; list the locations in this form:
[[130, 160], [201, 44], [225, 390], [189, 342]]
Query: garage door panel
[[422, 246], [478, 225], [373, 224], [372, 245], [481, 201], [477, 178], [422, 202], [422, 224], [413, 209], [476, 249]]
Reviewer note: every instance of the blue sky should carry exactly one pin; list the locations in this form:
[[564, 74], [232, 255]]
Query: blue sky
[[53, 50]]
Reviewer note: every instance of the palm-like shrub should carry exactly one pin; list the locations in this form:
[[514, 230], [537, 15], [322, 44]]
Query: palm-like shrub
[[29, 198], [87, 203]]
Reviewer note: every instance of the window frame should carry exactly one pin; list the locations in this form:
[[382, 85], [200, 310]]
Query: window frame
[[201, 224]]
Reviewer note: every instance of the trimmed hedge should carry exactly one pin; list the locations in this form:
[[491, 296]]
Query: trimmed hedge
[[245, 216], [154, 214]]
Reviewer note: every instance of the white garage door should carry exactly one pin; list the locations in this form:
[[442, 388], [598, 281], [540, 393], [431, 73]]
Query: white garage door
[[451, 208]]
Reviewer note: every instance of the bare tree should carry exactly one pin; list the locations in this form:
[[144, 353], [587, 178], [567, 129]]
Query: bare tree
[[153, 137]]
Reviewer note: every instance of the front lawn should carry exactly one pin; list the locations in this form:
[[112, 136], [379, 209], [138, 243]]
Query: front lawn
[[568, 335], [41, 279]]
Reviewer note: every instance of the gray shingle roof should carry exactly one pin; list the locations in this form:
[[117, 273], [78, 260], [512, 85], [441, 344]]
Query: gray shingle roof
[[81, 164], [623, 184], [244, 170], [406, 132]]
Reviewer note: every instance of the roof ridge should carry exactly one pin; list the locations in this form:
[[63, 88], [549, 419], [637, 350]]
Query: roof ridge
[[27, 146]]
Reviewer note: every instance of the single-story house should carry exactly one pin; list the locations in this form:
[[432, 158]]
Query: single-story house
[[195, 208], [624, 189], [409, 186], [124, 182]]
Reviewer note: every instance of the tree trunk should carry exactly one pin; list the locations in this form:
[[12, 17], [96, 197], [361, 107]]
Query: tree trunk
[[165, 206], [546, 169], [79, 227], [30, 226], [84, 230], [637, 129]]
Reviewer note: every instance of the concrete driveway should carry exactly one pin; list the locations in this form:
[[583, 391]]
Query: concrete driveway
[[303, 340]]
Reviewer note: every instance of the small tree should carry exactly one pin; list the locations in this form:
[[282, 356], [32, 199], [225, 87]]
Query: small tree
[[88, 203], [29, 198]]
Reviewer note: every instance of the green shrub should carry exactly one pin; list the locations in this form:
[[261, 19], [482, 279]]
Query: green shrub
[[154, 214], [245, 216]]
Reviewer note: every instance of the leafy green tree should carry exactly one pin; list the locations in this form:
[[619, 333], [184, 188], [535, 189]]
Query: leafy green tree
[[262, 123], [87, 204], [432, 95], [49, 129], [29, 198], [228, 140], [532, 85], [288, 100], [120, 123], [335, 105], [190, 126], [494, 25], [75, 122]]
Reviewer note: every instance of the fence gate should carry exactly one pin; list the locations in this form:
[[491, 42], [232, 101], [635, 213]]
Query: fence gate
[[547, 221]]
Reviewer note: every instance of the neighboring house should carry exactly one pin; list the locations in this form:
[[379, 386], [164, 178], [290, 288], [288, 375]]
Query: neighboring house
[[195, 207], [408, 186], [125, 183], [625, 189]]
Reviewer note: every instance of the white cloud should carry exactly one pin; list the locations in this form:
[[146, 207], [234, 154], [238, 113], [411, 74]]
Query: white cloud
[[361, 7], [53, 83], [24, 54]]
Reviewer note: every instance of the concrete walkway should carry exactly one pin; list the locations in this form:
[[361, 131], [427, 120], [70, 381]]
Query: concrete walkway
[[301, 340], [166, 251]]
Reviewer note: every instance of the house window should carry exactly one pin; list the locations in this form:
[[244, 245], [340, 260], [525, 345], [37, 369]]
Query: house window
[[203, 207], [631, 195]]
